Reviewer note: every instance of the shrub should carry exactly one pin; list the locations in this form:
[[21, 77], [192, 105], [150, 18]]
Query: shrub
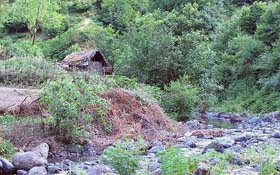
[[124, 157], [7, 149], [73, 106], [80, 6], [27, 71], [58, 47], [180, 99], [174, 161], [268, 29]]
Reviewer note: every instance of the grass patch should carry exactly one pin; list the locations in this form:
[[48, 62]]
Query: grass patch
[[27, 71]]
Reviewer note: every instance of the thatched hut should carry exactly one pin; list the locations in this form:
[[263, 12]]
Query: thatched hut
[[92, 60]]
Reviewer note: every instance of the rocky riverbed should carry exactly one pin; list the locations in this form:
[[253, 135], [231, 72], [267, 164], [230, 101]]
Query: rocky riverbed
[[248, 141]]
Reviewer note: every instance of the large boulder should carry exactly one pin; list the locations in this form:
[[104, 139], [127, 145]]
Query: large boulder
[[27, 160]]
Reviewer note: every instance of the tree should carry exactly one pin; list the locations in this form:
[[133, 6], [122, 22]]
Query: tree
[[34, 13]]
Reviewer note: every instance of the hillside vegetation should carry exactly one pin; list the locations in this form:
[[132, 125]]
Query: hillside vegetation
[[207, 54], [174, 66]]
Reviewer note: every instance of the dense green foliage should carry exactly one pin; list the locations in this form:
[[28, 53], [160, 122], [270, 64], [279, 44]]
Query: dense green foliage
[[73, 105], [229, 50], [124, 157], [7, 149]]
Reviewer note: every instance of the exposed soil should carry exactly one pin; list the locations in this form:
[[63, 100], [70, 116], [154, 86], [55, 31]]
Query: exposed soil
[[19, 102], [131, 118]]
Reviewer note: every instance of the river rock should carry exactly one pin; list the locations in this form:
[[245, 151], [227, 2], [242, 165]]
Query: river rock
[[38, 171], [276, 135], [202, 169], [42, 149], [6, 166], [156, 149], [244, 171], [226, 142], [22, 172], [242, 138], [214, 145], [99, 170], [28, 160]]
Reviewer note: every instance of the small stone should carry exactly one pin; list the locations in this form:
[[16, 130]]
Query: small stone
[[225, 141], [156, 149], [54, 169], [157, 172], [213, 161], [236, 148], [202, 169], [67, 162], [190, 143], [22, 172], [156, 143], [237, 160], [154, 166], [276, 135], [98, 170], [38, 171], [6, 166], [242, 138], [214, 145], [245, 171]]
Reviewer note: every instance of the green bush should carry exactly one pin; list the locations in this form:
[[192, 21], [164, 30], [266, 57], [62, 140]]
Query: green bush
[[80, 6], [58, 47], [268, 29], [124, 157], [27, 71], [180, 99], [73, 106], [174, 161], [7, 149]]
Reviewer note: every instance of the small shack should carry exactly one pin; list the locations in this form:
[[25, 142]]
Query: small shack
[[92, 60]]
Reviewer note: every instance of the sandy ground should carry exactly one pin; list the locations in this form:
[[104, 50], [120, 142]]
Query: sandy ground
[[10, 97]]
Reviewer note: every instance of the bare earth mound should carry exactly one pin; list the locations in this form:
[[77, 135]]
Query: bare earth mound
[[131, 118]]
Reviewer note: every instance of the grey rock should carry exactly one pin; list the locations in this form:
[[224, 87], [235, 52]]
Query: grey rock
[[42, 149], [67, 162], [6, 166], [38, 171], [213, 161], [202, 169], [237, 160], [154, 166], [157, 172], [54, 169], [22, 172], [156, 149], [190, 143], [214, 145], [276, 135], [28, 160], [242, 138], [156, 143], [244, 171], [99, 170], [225, 142], [236, 148]]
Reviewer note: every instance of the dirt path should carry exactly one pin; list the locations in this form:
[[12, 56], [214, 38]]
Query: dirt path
[[10, 97]]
